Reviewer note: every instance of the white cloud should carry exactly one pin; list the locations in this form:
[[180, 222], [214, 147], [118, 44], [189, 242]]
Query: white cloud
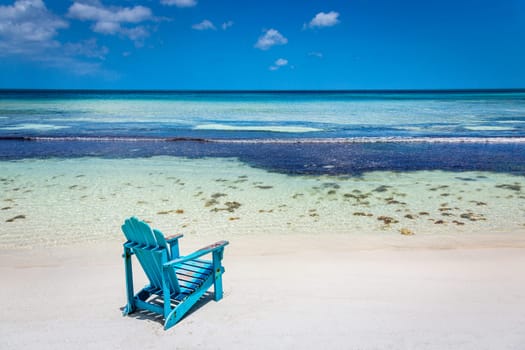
[[323, 19], [204, 25], [136, 34], [109, 20], [270, 38], [179, 3], [87, 48], [281, 62], [28, 26], [106, 27], [315, 54], [95, 11], [226, 25], [28, 31]]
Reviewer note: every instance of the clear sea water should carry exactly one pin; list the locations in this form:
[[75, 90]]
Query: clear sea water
[[290, 132], [442, 163]]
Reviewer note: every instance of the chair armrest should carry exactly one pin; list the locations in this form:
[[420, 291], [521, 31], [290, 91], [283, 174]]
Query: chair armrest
[[173, 242], [198, 253], [173, 238]]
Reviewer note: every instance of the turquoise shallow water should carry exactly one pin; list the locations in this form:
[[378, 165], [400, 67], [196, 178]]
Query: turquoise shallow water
[[262, 115], [61, 201], [291, 132]]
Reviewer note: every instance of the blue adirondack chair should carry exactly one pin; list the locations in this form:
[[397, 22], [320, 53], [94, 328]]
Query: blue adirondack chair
[[179, 281]]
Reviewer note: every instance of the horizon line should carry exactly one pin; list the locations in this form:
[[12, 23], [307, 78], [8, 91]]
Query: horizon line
[[358, 91]]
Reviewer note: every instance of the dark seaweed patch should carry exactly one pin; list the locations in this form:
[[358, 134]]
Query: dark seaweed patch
[[382, 188], [331, 185], [230, 207], [512, 187], [176, 211], [473, 217], [16, 218], [465, 179], [387, 220], [211, 202], [360, 213]]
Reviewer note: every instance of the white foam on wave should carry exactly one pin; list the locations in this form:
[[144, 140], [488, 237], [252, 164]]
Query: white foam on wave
[[489, 128], [409, 128], [511, 121], [290, 129], [101, 139], [349, 140], [95, 139], [394, 139], [31, 126]]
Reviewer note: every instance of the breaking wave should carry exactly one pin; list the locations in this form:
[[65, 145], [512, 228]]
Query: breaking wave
[[350, 140]]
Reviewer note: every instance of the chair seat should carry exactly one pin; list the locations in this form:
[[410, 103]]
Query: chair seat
[[191, 275]]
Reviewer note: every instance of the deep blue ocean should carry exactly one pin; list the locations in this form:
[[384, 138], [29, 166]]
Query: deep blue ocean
[[291, 132]]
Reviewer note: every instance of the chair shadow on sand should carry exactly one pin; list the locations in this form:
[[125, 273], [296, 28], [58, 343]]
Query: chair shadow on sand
[[143, 314]]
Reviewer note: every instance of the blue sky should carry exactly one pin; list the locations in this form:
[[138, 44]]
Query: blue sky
[[297, 44]]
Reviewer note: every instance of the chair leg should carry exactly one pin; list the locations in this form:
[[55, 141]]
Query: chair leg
[[130, 306], [166, 295], [170, 320], [181, 309], [217, 270]]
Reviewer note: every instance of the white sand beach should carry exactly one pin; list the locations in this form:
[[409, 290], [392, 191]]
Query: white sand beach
[[282, 293], [313, 261]]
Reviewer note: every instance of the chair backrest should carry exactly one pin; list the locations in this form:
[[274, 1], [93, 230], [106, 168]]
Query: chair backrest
[[151, 250]]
